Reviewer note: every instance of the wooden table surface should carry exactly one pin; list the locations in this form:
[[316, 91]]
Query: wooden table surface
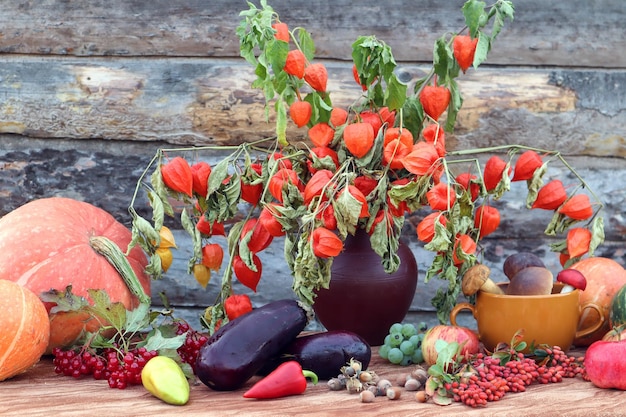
[[40, 392]]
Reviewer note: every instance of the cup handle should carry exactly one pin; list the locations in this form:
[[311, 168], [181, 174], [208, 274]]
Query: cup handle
[[458, 308], [595, 326]]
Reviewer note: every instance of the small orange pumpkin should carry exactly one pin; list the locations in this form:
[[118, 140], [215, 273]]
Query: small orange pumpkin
[[25, 329]]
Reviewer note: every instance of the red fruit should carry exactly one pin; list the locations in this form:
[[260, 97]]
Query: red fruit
[[268, 218], [282, 31], [441, 197], [209, 229], [295, 63], [251, 193], [494, 171], [372, 118], [387, 116], [322, 152], [426, 228], [260, 239], [466, 180], [200, 178], [578, 241], [434, 100], [338, 116], [464, 48], [318, 182], [300, 112], [434, 134], [394, 153], [326, 244], [359, 138], [526, 165], [365, 184], [486, 220], [237, 305], [461, 335], [355, 74], [245, 275], [422, 160], [212, 256], [604, 365], [404, 135], [316, 76], [327, 216], [321, 134], [280, 159], [550, 196], [279, 181], [578, 207], [466, 245], [177, 175]]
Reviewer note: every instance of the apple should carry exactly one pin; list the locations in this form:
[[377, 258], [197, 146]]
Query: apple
[[462, 335], [604, 365]]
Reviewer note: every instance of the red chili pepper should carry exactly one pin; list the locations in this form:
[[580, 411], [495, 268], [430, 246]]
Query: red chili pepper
[[287, 379]]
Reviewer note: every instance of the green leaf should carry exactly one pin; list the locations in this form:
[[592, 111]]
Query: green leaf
[[156, 341], [65, 301], [114, 313], [482, 49], [597, 234], [475, 16], [307, 46], [395, 96], [137, 319], [281, 122]]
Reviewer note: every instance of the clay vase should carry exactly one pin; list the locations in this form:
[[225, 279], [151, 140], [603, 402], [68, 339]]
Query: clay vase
[[362, 297]]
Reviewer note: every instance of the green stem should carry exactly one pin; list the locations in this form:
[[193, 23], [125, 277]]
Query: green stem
[[109, 249]]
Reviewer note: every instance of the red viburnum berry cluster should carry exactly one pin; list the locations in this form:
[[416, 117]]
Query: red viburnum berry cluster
[[119, 370]]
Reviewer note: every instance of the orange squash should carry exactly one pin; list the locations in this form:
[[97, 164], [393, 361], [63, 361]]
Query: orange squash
[[49, 244], [25, 329], [604, 277]]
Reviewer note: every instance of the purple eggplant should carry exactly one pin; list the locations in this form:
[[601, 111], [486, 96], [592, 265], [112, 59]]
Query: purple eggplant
[[323, 353], [238, 350]]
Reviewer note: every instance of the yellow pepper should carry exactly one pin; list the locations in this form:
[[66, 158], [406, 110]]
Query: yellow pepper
[[164, 379]]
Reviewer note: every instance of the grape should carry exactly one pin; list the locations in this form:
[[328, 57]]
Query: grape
[[395, 339], [395, 355], [418, 356], [422, 327], [387, 340], [407, 347], [395, 328], [408, 330], [406, 360], [415, 339], [383, 351]]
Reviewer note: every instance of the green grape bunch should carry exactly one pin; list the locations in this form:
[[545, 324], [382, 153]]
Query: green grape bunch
[[403, 345]]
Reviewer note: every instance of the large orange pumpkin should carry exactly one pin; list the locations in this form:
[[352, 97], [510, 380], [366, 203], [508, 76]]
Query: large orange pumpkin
[[47, 244], [25, 329], [604, 277]]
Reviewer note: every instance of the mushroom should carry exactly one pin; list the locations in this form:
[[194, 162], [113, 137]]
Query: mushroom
[[532, 280], [477, 278], [571, 280]]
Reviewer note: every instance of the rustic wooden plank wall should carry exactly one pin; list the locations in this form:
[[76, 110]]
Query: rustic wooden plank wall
[[89, 90]]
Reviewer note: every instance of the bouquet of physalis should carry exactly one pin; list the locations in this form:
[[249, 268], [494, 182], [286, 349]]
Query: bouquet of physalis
[[361, 165]]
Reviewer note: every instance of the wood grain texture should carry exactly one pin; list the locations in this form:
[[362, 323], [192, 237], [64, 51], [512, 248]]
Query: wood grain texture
[[543, 33], [197, 102], [40, 392]]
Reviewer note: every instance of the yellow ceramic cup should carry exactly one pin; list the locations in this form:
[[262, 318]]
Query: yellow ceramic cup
[[545, 319]]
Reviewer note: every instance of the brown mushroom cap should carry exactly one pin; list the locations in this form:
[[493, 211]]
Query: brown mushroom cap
[[477, 278], [533, 280]]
